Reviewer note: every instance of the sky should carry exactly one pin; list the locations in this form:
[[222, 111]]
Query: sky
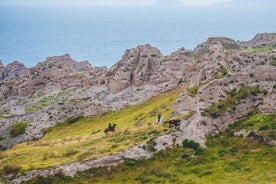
[[106, 2]]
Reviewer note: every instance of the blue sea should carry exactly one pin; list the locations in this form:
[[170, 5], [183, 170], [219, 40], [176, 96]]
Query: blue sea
[[101, 35]]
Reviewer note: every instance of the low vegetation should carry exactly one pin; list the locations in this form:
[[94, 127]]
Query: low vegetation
[[226, 159], [218, 109], [192, 91], [264, 48], [46, 101], [18, 129], [220, 73]]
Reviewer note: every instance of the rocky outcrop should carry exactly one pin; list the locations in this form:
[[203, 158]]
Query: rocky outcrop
[[12, 71], [218, 68], [260, 39], [202, 124], [1, 65], [60, 87]]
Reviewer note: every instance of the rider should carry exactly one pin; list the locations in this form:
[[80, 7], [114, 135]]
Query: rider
[[110, 127]]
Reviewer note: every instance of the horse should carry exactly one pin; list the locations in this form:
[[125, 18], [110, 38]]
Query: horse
[[174, 122], [113, 129]]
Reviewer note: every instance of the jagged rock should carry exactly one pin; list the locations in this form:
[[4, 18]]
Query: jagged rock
[[259, 39], [12, 71], [216, 66], [1, 65]]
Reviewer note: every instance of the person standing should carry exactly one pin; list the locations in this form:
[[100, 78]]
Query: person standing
[[159, 119]]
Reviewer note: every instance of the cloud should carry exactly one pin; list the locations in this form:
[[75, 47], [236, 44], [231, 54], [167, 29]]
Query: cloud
[[202, 2], [77, 2]]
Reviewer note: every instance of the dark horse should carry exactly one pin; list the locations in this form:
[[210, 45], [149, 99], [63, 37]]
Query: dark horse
[[174, 122], [113, 129]]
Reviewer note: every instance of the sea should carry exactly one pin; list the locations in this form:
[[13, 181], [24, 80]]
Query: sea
[[101, 35]]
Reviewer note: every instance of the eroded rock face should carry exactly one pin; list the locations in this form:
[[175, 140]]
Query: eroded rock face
[[201, 124], [216, 66], [259, 39], [12, 71], [60, 87]]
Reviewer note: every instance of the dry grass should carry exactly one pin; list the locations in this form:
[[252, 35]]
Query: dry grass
[[85, 139]]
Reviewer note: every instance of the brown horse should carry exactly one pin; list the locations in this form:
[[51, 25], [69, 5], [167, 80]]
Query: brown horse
[[173, 123], [113, 129]]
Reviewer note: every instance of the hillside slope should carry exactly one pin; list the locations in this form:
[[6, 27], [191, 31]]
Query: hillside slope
[[68, 104], [230, 157]]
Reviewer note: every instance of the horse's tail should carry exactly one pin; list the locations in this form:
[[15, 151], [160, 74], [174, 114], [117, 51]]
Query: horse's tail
[[106, 130]]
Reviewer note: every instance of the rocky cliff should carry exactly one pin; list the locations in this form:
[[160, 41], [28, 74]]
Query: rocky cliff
[[226, 80], [60, 87]]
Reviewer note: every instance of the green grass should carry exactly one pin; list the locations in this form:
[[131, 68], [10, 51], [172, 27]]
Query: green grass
[[18, 129], [192, 91], [261, 48], [226, 159], [79, 139], [220, 73], [46, 101], [218, 109]]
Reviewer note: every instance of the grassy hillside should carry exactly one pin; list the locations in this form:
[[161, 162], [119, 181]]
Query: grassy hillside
[[81, 138], [227, 159]]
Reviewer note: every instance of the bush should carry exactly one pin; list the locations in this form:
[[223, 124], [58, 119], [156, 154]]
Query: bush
[[261, 63], [150, 146], [11, 169], [190, 144], [18, 129], [273, 63], [222, 152], [193, 91], [73, 120], [252, 134], [130, 162], [265, 127]]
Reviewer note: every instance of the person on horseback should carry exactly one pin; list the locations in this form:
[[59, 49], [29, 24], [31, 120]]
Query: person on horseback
[[110, 126]]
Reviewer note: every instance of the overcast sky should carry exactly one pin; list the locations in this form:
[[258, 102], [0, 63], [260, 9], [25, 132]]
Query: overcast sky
[[106, 2]]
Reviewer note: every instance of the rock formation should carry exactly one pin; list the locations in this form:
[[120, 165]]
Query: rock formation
[[228, 82], [60, 87]]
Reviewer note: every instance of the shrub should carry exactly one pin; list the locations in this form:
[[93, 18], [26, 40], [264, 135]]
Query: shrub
[[273, 63], [193, 91], [190, 144], [260, 63], [265, 127], [18, 129], [252, 134], [150, 146], [255, 90], [1, 138], [130, 162], [11, 169], [222, 152], [233, 150], [73, 119], [199, 151]]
